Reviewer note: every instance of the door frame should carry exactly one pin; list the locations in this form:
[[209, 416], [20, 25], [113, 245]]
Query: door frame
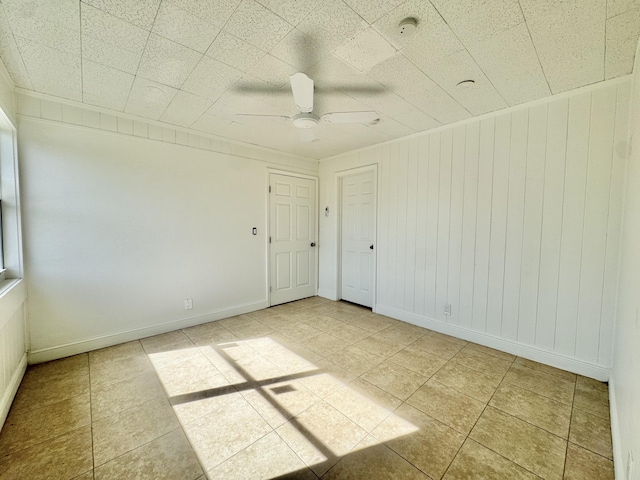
[[339, 177], [268, 222]]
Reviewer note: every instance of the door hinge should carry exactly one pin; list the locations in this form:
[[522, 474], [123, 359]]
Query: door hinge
[[269, 239], [269, 188]]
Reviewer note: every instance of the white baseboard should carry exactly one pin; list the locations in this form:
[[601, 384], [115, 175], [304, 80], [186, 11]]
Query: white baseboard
[[82, 346], [618, 458], [530, 352], [12, 389], [328, 294]]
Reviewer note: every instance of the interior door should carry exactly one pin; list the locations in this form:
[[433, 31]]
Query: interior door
[[357, 238], [292, 238]]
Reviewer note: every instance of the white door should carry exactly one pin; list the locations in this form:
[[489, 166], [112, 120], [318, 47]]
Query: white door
[[292, 238], [357, 238]]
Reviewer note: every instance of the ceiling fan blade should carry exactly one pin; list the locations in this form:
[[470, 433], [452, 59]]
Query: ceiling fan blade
[[307, 134], [302, 88], [351, 117]]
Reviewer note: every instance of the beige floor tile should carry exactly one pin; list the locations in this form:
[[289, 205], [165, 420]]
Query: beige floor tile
[[30, 427], [591, 432], [171, 356], [44, 372], [169, 457], [166, 341], [324, 323], [337, 371], [325, 344], [238, 320], [431, 447], [351, 333], [129, 429], [106, 372], [592, 397], [190, 407], [448, 338], [85, 476], [491, 351], [279, 402], [467, 381], [273, 321], [320, 435], [583, 464], [475, 461], [534, 408], [223, 433], [359, 407], [437, 346], [535, 449], [379, 346], [395, 379], [482, 362], [371, 322], [554, 387], [374, 461], [66, 456], [322, 384], [116, 397], [451, 407], [269, 457], [299, 331], [418, 360], [545, 369], [259, 369], [117, 352], [196, 373], [403, 334], [378, 395], [354, 359], [212, 333], [250, 330]]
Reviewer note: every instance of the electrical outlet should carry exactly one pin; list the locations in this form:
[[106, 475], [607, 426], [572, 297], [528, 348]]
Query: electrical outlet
[[629, 465], [447, 309], [188, 303]]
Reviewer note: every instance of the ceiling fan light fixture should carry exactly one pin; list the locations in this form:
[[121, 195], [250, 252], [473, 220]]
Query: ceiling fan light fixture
[[407, 27], [466, 84], [155, 90], [305, 120]]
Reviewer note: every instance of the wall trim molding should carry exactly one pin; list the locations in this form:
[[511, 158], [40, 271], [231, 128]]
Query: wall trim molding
[[530, 352], [10, 393], [618, 459], [94, 343]]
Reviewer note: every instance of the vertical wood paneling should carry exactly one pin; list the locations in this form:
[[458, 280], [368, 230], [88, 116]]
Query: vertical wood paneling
[[433, 203], [572, 222], [446, 151], [382, 236], [455, 222], [532, 230], [412, 223], [556, 149], [12, 349], [483, 224], [594, 236], [499, 209], [401, 217], [469, 211], [393, 223], [422, 211], [515, 220], [614, 224]]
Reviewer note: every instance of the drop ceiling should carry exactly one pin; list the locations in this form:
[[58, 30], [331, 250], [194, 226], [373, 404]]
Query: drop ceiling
[[197, 63]]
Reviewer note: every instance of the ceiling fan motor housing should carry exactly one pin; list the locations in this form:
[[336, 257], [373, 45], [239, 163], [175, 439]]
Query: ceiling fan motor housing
[[305, 120]]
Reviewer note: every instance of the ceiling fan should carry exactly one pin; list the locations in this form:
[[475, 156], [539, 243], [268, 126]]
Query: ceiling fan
[[305, 120]]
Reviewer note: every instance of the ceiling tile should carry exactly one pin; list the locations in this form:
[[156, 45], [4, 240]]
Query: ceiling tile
[[622, 39], [233, 51], [105, 86], [272, 70], [300, 50], [215, 12], [449, 71], [111, 41], [232, 103], [332, 24], [184, 109], [211, 124], [184, 28], [477, 21], [256, 25], [616, 7], [11, 55], [365, 50], [569, 40], [392, 128], [291, 10], [211, 78], [52, 71], [402, 77], [149, 102], [167, 62], [385, 102], [372, 10], [50, 27], [138, 12], [510, 62], [417, 120]]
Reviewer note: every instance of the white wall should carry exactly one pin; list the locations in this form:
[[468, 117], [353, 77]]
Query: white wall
[[512, 218], [624, 386], [120, 230]]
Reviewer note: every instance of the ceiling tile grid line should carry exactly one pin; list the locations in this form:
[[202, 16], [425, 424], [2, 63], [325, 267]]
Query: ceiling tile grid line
[[193, 64]]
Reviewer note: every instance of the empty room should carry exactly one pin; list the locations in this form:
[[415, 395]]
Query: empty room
[[304, 239]]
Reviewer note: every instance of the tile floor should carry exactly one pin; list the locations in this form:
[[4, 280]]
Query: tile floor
[[305, 390]]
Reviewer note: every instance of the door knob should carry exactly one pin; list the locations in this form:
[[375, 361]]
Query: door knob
[[313, 244], [371, 247]]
